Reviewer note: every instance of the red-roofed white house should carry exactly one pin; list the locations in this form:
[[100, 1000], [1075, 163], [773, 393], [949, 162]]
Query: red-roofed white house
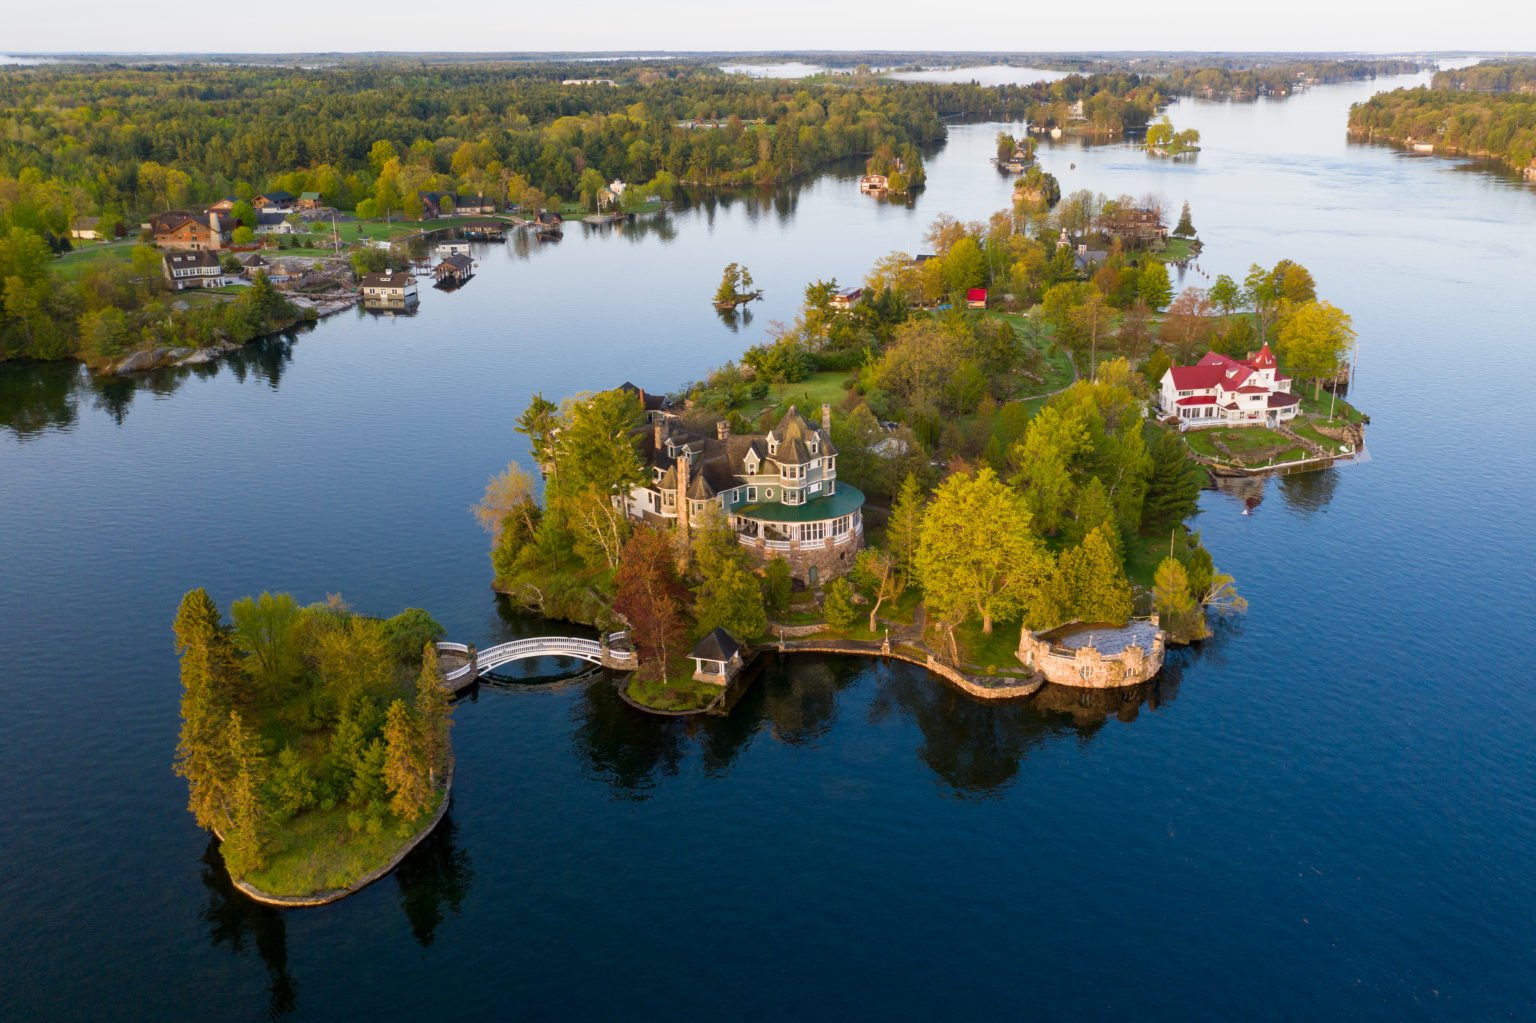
[[1221, 391]]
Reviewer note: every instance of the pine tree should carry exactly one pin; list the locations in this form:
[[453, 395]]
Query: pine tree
[[434, 712], [1173, 486], [202, 752], [729, 281], [838, 605], [406, 772], [730, 599], [905, 527], [1185, 228], [246, 832], [1095, 585]]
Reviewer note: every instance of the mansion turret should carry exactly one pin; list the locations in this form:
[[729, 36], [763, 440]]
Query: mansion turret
[[779, 489]]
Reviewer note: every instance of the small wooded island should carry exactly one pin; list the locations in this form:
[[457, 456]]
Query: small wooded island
[[314, 740]]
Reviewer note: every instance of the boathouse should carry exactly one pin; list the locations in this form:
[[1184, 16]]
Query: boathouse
[[454, 270]]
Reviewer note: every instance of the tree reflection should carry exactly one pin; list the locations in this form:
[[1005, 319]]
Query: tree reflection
[[433, 878], [800, 694], [233, 918], [975, 747], [1309, 492], [38, 397], [113, 395], [626, 747]]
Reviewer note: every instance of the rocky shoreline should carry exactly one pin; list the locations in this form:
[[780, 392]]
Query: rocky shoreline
[[167, 356]]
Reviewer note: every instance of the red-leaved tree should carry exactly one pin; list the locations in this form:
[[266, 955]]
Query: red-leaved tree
[[651, 596]]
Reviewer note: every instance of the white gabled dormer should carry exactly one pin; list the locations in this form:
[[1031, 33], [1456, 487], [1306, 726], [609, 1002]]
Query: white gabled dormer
[[773, 445], [815, 443], [750, 462]]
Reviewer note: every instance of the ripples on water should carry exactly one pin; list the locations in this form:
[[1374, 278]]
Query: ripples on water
[[1331, 818]]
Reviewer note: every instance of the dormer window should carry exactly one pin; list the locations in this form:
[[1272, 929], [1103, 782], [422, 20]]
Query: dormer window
[[814, 443], [773, 445]]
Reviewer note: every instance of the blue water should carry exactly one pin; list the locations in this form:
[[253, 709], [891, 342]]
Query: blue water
[[1326, 810]]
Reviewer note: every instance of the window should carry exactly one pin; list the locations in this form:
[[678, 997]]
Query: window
[[751, 494], [840, 526], [768, 494], [813, 531], [815, 488], [791, 472]]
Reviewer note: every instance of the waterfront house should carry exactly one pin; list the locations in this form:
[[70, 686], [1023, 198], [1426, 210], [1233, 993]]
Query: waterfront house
[[1221, 391], [278, 200], [185, 270], [716, 657], [976, 298], [474, 205], [446, 249], [779, 490], [84, 228], [251, 263], [178, 229], [455, 269], [388, 284], [874, 183], [847, 298]]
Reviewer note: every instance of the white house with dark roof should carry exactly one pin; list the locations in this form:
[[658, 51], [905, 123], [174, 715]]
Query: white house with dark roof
[[1222, 391], [778, 489], [199, 269]]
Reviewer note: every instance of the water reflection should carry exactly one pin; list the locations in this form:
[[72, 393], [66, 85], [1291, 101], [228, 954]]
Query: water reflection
[[37, 398], [234, 920], [433, 879], [1309, 492], [975, 748]]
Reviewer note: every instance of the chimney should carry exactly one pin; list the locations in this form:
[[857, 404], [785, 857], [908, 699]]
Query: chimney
[[660, 437], [723, 429], [826, 418], [1082, 249], [213, 221]]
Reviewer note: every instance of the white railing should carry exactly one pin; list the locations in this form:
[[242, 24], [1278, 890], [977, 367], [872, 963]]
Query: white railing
[[777, 545], [541, 646], [453, 648]]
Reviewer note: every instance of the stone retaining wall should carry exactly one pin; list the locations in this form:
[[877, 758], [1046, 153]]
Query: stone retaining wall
[[1086, 667]]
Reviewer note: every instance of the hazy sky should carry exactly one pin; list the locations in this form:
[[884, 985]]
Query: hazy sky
[[161, 26]]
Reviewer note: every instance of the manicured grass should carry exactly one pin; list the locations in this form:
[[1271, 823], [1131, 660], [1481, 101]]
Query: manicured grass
[[1176, 248], [1306, 430], [1319, 407], [1237, 439], [681, 692], [76, 264], [317, 851], [810, 394], [998, 651]]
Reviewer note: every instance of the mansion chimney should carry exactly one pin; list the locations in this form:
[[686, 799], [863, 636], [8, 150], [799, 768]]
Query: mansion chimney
[[723, 429], [826, 418], [660, 437]]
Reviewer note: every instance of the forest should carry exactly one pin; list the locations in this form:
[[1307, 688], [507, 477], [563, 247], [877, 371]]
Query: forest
[[1486, 110]]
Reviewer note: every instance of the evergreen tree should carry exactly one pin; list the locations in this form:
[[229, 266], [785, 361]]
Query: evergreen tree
[[729, 282], [202, 752], [1172, 488], [434, 713], [730, 598], [1094, 509], [1185, 228], [904, 530], [1092, 581], [838, 605], [246, 832], [778, 584], [406, 772], [292, 785]]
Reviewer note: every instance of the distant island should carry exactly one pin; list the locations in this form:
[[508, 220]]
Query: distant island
[[314, 740], [1487, 110]]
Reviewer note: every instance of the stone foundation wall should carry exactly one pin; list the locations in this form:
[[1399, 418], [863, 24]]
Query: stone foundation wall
[[830, 560]]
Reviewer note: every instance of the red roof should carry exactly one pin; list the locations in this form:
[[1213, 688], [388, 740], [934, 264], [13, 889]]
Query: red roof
[[1199, 399], [1196, 378], [1265, 359], [976, 295], [1252, 389], [1281, 400]]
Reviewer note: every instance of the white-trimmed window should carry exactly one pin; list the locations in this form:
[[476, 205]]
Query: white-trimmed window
[[813, 531], [840, 526], [751, 494]]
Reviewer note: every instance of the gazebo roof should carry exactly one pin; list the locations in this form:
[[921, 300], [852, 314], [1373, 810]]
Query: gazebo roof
[[718, 645]]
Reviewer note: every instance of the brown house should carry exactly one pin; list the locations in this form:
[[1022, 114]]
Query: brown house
[[274, 201], [192, 270], [224, 205], [178, 229]]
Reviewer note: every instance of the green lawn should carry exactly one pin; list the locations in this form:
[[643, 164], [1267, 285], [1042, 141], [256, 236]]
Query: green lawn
[[681, 692], [1238, 439], [810, 394], [1176, 248], [1318, 408], [997, 651], [318, 851], [76, 264]]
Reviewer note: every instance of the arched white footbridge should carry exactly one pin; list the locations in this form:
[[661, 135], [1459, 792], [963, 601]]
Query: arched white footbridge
[[612, 651]]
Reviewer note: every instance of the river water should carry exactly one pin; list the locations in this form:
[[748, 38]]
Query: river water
[[1326, 809]]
